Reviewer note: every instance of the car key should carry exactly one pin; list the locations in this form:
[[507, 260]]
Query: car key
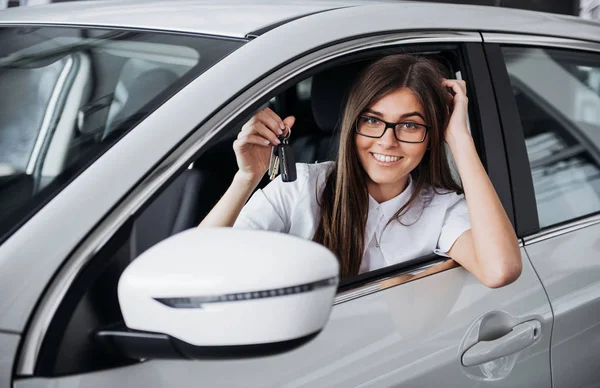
[[274, 163], [286, 160]]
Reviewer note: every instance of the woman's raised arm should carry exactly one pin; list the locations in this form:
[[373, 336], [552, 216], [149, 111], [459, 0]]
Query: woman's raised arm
[[490, 249], [252, 152]]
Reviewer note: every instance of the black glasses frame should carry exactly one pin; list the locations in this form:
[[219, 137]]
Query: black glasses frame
[[393, 127]]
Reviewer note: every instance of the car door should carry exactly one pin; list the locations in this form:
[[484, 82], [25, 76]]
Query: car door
[[556, 151], [415, 324]]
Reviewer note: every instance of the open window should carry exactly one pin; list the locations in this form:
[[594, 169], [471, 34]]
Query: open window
[[315, 98]]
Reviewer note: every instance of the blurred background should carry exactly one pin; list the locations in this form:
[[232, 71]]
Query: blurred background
[[588, 9]]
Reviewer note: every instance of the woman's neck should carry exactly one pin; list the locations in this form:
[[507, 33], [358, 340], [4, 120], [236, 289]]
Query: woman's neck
[[385, 192]]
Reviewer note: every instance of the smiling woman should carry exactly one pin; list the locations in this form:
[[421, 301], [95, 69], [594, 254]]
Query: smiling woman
[[389, 196]]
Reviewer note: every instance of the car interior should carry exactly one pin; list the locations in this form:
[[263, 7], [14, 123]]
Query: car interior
[[91, 87], [91, 306]]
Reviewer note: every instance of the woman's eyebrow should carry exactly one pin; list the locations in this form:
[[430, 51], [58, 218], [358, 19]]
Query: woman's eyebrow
[[373, 112], [406, 115]]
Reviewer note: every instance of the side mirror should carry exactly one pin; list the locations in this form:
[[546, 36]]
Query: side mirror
[[211, 293]]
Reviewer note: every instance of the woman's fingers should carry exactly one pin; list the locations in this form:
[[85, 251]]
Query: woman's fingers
[[459, 89], [252, 139], [265, 132], [458, 86], [271, 120], [265, 127], [256, 128], [289, 123]]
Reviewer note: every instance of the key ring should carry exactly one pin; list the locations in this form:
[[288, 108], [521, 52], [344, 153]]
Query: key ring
[[289, 133]]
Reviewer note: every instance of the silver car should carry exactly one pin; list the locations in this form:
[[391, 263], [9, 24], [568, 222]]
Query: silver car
[[116, 126]]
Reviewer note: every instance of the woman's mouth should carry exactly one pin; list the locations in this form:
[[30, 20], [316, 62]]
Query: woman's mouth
[[385, 160]]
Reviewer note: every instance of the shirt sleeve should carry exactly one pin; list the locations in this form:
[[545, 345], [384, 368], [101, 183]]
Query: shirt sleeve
[[259, 213], [456, 222], [270, 208]]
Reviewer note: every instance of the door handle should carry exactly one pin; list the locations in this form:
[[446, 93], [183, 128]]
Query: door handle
[[520, 337]]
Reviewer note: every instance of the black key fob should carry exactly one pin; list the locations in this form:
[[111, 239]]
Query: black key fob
[[287, 162]]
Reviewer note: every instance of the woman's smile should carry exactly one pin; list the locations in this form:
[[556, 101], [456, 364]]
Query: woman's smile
[[385, 159]]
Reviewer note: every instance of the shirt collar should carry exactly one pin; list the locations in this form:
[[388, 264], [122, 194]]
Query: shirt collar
[[389, 208]]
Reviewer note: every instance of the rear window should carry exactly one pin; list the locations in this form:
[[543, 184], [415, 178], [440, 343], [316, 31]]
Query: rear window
[[69, 94]]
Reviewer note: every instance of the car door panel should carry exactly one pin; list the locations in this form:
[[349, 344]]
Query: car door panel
[[9, 344], [410, 334], [569, 268], [554, 155]]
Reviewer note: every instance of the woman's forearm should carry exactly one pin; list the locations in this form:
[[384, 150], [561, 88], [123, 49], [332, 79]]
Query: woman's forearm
[[227, 210], [494, 240]]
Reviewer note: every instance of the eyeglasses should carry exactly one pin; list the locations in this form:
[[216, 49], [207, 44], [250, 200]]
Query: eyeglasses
[[406, 131]]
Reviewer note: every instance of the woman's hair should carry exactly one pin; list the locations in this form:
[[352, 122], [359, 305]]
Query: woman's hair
[[344, 201]]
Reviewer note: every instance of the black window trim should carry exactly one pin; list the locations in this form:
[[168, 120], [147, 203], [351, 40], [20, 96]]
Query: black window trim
[[526, 217], [247, 101], [519, 166]]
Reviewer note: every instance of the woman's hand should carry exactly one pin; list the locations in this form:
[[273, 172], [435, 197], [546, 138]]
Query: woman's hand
[[490, 249], [253, 145], [458, 102], [252, 151]]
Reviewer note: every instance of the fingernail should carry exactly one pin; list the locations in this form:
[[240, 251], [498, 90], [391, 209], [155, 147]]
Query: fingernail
[[280, 131], [277, 141], [282, 126]]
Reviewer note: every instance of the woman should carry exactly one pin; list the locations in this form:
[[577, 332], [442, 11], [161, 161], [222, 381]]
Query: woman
[[389, 197]]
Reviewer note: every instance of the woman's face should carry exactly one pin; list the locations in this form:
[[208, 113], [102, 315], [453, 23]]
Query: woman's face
[[386, 160]]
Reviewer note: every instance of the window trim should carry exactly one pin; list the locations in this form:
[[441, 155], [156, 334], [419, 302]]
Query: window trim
[[521, 179], [494, 149], [246, 101], [375, 281], [525, 208]]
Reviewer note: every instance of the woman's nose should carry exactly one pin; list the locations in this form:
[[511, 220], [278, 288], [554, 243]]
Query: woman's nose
[[388, 139]]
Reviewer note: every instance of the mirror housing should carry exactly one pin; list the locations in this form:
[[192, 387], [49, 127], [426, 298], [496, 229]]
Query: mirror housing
[[225, 293]]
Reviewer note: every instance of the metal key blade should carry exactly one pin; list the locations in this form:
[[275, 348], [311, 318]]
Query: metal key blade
[[273, 163]]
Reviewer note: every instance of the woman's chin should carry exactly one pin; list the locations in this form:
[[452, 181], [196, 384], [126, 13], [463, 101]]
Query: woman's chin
[[386, 179]]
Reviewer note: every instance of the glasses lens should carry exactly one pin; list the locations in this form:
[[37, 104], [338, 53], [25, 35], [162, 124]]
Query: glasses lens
[[410, 132], [370, 126]]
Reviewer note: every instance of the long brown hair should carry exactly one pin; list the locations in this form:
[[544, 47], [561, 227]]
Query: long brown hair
[[344, 201]]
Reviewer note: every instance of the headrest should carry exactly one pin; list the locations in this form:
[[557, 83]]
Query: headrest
[[142, 89], [329, 92]]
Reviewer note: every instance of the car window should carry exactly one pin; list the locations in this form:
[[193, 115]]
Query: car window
[[558, 98], [68, 94]]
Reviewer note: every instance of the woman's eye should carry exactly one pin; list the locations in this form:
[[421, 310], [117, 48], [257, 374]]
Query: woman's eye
[[371, 121], [409, 126]]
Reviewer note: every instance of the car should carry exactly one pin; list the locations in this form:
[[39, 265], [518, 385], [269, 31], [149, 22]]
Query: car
[[116, 128]]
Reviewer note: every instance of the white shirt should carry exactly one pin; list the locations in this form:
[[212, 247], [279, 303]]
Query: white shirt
[[431, 224]]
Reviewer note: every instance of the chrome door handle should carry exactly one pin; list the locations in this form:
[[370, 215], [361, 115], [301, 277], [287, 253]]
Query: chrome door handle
[[520, 337]]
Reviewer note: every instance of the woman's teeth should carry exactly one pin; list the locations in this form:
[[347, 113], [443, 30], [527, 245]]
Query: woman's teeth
[[386, 158]]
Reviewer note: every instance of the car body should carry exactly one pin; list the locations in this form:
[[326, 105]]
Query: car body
[[383, 330]]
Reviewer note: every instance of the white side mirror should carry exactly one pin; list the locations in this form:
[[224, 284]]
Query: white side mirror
[[222, 292]]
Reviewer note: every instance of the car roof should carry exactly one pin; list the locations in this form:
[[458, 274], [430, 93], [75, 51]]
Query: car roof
[[233, 18], [241, 18]]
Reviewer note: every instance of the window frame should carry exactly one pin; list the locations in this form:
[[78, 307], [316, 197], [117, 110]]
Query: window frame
[[272, 83], [526, 212]]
